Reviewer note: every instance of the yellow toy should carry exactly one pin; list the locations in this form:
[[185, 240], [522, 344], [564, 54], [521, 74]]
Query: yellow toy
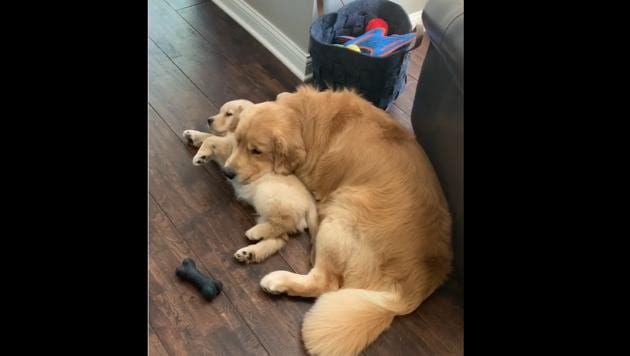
[[354, 48]]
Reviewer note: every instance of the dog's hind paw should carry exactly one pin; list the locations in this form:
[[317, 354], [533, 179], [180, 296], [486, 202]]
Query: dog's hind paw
[[273, 283]]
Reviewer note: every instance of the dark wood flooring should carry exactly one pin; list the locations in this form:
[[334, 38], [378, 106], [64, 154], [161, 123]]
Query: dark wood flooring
[[198, 59]]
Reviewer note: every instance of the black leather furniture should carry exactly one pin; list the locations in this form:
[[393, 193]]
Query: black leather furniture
[[438, 110]]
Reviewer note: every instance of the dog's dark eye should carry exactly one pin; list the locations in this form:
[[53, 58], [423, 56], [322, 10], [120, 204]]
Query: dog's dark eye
[[228, 114], [255, 151]]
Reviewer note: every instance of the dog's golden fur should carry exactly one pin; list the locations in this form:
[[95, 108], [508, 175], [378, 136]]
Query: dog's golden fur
[[227, 118], [384, 239], [220, 124], [282, 202]]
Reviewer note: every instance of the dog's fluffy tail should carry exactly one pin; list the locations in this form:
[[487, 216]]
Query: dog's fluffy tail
[[345, 321]]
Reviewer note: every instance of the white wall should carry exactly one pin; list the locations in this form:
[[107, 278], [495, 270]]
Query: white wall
[[292, 17], [410, 6]]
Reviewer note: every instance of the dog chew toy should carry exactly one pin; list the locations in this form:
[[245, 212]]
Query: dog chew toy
[[375, 44], [377, 23], [208, 287]]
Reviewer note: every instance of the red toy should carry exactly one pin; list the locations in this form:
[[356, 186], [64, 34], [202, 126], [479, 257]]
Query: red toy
[[374, 44], [377, 23]]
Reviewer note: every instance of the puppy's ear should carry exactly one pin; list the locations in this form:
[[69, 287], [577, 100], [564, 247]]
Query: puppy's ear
[[233, 123], [288, 154], [245, 104]]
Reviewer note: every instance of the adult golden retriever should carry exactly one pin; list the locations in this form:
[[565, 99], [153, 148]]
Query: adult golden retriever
[[384, 239]]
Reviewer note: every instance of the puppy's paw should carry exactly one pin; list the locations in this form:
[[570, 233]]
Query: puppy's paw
[[193, 137], [274, 282], [255, 233], [200, 160], [188, 136], [246, 255]]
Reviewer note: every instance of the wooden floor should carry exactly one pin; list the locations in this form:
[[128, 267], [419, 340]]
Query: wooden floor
[[200, 58]]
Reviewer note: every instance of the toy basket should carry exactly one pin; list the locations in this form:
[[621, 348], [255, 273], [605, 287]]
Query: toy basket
[[379, 80]]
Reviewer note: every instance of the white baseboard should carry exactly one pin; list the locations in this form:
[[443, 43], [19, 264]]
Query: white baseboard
[[287, 51]]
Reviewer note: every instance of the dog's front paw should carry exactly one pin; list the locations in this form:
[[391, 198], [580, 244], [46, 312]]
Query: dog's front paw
[[274, 282], [255, 233], [246, 254], [188, 136], [193, 137], [200, 160]]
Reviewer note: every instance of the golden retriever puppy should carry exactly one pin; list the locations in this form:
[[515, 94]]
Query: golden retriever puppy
[[220, 124], [214, 148], [384, 239], [282, 202]]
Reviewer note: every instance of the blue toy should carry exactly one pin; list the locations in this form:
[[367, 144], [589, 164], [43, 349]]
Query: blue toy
[[375, 44]]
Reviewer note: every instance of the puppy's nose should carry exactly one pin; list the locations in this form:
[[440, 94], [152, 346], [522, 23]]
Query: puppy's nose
[[210, 120], [229, 172]]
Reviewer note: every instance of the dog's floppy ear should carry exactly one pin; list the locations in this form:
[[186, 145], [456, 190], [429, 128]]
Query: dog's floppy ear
[[233, 123], [237, 114], [243, 104], [288, 154]]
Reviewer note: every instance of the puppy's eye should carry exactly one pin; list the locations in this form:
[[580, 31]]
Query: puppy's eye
[[255, 151], [228, 114]]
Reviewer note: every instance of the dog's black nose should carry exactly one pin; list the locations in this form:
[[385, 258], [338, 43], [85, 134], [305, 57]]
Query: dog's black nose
[[210, 120], [229, 172]]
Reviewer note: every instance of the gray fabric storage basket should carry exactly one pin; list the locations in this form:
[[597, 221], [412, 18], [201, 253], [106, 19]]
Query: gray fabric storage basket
[[379, 80]]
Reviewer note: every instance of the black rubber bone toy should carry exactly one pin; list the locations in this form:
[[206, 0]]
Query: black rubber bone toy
[[208, 287]]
